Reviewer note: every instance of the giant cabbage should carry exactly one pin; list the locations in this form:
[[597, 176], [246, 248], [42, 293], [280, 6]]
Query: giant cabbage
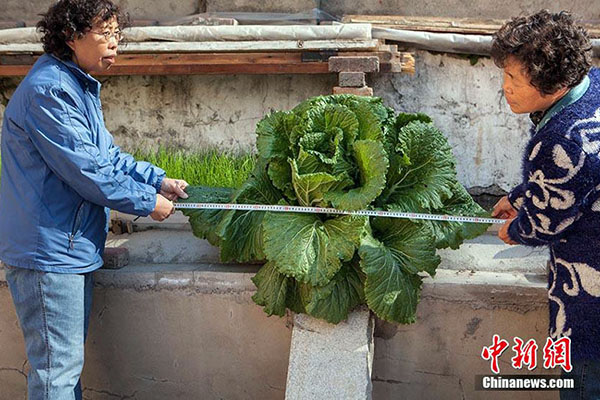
[[350, 153]]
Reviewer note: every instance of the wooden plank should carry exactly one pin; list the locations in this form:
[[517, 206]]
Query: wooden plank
[[436, 24], [216, 63], [217, 69], [449, 25], [212, 69], [209, 58], [14, 70]]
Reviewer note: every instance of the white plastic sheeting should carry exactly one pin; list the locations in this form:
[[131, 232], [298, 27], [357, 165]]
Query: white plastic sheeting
[[222, 33], [27, 39], [447, 42], [20, 35], [249, 33], [442, 42]]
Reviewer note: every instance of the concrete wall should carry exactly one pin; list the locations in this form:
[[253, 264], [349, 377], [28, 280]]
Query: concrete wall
[[187, 332], [588, 9], [440, 355], [169, 326], [192, 112], [29, 11], [467, 103], [282, 6], [171, 9]]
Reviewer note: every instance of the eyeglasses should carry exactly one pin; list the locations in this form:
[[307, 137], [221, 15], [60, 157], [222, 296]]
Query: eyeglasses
[[108, 34]]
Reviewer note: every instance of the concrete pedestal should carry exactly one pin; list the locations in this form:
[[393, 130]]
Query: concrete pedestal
[[331, 361]]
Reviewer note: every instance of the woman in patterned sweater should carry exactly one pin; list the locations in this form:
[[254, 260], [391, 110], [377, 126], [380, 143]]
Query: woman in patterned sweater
[[547, 73]]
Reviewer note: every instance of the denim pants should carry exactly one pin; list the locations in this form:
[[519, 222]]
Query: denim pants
[[53, 311], [587, 381]]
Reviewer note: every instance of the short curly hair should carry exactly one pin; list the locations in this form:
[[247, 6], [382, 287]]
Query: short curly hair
[[554, 51], [69, 19]]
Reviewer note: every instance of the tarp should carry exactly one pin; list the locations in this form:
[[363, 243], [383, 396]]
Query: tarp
[[447, 42], [217, 33]]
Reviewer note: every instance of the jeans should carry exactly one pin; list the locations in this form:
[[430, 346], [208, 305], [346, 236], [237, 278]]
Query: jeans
[[53, 311], [587, 381]]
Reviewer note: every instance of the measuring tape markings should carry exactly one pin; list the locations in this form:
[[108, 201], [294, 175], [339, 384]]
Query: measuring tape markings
[[320, 210]]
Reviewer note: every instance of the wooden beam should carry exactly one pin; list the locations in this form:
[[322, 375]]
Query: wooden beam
[[217, 69], [218, 63]]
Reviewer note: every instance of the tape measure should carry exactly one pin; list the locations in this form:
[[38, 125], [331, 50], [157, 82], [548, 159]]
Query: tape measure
[[320, 210]]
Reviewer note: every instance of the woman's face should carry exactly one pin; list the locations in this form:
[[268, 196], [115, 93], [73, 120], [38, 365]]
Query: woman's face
[[522, 97], [96, 50]]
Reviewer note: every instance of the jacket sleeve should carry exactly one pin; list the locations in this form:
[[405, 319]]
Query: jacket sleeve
[[59, 130], [140, 171], [561, 176]]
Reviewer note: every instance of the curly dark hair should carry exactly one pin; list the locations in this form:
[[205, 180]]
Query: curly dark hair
[[69, 19], [554, 51]]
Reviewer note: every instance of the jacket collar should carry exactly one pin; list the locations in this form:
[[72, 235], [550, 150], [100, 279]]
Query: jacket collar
[[88, 81]]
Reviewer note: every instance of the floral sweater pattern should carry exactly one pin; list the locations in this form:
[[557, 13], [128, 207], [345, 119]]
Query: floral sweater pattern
[[558, 206]]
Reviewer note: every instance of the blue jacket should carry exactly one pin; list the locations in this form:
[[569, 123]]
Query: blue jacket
[[61, 172]]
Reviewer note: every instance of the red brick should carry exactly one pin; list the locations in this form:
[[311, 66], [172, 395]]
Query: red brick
[[363, 91]]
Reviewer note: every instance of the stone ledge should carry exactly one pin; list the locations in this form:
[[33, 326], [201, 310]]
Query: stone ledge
[[515, 291], [205, 278], [485, 253]]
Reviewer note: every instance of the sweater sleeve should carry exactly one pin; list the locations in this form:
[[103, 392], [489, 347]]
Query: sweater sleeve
[[561, 176], [516, 197]]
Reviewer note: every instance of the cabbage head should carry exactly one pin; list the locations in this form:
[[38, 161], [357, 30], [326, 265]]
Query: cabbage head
[[350, 153]]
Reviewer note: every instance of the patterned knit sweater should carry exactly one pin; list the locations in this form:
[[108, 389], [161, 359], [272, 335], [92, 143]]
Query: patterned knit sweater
[[558, 205]]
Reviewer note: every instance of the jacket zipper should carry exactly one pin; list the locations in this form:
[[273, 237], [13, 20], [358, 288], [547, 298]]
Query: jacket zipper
[[75, 225]]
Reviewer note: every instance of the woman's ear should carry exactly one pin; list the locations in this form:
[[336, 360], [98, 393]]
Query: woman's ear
[[70, 38]]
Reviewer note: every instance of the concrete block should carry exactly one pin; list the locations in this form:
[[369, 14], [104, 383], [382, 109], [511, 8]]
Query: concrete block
[[352, 79], [363, 91], [331, 361], [115, 257], [353, 64]]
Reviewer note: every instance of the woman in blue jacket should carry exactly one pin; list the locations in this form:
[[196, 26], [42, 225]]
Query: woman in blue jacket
[[546, 60], [61, 173]]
